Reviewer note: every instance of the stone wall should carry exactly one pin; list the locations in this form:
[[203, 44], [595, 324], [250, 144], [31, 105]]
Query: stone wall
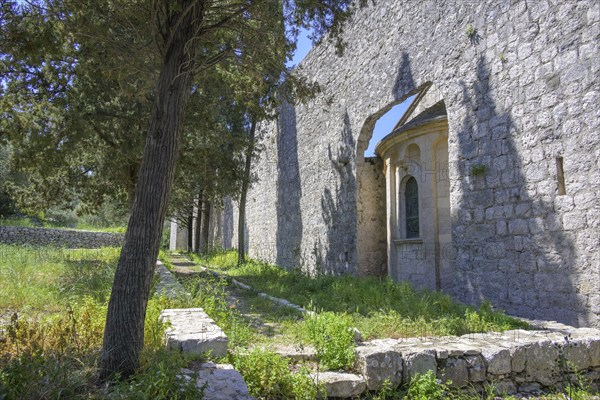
[[520, 84], [528, 362], [59, 237]]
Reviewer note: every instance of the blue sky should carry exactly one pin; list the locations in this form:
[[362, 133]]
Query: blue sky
[[383, 126]]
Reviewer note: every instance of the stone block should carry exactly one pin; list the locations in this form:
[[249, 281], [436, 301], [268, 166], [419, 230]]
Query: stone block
[[377, 362], [340, 384], [577, 354], [222, 382], [193, 331], [498, 361], [419, 363], [455, 370], [538, 361], [477, 369]]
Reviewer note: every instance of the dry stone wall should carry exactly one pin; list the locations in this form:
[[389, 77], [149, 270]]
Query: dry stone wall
[[520, 84], [59, 237], [528, 362]]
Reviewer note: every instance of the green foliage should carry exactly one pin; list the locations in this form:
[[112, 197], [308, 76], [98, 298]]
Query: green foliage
[[209, 293], [478, 169], [47, 279], [57, 300], [426, 387], [160, 378], [470, 31], [268, 376], [332, 336]]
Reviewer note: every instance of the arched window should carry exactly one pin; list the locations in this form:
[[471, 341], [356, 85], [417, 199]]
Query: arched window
[[411, 202]]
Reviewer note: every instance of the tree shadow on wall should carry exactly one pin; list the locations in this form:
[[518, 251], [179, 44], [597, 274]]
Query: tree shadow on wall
[[523, 261], [405, 83], [338, 208], [289, 191]]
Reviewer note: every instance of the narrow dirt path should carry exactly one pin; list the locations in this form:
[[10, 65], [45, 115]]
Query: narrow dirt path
[[264, 316]]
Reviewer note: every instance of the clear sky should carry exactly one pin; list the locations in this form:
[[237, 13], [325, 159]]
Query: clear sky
[[385, 124]]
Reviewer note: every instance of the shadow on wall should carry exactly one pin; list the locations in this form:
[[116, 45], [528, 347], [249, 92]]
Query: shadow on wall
[[289, 191], [339, 256], [405, 83], [522, 260]]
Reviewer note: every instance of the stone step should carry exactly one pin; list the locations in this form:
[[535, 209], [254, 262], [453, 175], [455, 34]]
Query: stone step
[[193, 331], [220, 381]]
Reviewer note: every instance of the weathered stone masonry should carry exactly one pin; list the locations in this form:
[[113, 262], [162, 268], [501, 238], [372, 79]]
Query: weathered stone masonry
[[519, 80], [59, 237]]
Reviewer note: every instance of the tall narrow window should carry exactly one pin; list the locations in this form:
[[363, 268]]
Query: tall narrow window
[[411, 201], [560, 176]]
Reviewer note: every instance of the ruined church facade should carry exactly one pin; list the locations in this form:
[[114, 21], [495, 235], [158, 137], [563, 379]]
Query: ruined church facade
[[508, 104]]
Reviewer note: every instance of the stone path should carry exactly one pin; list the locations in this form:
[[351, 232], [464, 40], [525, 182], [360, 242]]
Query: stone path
[[192, 331], [237, 295]]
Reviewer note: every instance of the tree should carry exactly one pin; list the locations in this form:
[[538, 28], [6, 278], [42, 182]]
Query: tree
[[51, 45]]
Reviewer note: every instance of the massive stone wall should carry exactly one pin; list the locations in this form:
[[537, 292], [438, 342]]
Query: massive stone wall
[[520, 84], [59, 237]]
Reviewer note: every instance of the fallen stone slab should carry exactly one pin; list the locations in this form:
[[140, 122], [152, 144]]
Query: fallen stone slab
[[167, 284], [220, 381], [193, 331], [340, 384]]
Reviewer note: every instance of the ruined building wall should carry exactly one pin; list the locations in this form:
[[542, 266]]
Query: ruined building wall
[[520, 84]]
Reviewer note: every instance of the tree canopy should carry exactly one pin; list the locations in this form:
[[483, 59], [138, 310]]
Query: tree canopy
[[98, 98]]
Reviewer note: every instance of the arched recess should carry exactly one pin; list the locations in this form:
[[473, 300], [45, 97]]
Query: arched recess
[[415, 155], [371, 204]]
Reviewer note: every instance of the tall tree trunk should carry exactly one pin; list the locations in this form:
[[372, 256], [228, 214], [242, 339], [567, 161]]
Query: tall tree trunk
[[190, 231], [204, 245], [124, 329], [198, 223], [244, 195]]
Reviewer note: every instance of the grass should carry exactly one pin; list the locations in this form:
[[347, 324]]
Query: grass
[[35, 222], [379, 307], [54, 304]]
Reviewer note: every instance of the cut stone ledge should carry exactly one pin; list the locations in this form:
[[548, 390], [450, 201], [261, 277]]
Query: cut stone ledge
[[340, 384], [193, 331]]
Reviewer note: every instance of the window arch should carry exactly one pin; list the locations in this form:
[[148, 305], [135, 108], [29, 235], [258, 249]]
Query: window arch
[[411, 208]]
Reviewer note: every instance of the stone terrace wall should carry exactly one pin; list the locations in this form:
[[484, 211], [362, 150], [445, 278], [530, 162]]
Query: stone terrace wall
[[520, 91], [513, 361], [59, 237]]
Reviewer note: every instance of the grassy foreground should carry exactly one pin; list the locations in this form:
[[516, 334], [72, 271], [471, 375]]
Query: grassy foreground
[[52, 312]]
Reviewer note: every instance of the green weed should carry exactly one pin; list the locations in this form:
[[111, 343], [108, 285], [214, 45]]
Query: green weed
[[333, 339]]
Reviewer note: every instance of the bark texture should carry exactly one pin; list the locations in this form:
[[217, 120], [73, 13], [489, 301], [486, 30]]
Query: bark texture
[[124, 330], [245, 185]]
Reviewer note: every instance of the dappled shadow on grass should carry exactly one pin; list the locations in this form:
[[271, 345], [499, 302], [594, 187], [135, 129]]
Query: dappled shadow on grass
[[379, 306]]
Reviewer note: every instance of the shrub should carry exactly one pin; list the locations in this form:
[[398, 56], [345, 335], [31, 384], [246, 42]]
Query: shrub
[[267, 375], [426, 387], [333, 338]]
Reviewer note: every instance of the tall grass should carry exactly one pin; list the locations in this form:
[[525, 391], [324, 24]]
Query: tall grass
[[380, 307], [54, 304], [46, 279]]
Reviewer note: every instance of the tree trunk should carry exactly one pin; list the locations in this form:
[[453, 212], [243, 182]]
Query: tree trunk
[[198, 223], [243, 196], [190, 231], [205, 227], [124, 329]]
